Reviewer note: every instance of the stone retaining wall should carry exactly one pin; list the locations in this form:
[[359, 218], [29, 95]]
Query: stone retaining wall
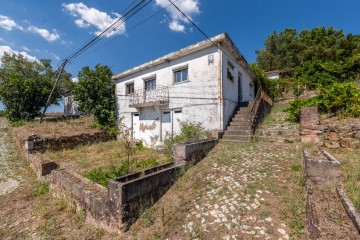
[[36, 143], [334, 136]]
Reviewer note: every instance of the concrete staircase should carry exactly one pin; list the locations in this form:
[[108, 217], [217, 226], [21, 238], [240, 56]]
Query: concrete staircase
[[239, 129]]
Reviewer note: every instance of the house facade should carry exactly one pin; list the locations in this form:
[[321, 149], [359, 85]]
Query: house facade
[[203, 83]]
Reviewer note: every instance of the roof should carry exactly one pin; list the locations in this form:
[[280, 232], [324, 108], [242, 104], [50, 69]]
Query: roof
[[274, 71], [223, 39]]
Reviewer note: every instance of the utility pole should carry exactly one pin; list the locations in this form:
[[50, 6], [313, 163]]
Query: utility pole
[[53, 89]]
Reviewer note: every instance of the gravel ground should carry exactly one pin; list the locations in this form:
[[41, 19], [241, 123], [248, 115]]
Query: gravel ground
[[8, 181]]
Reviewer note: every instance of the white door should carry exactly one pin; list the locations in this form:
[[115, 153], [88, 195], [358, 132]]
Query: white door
[[135, 126], [166, 123], [177, 117]]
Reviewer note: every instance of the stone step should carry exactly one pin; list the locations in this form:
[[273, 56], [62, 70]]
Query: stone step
[[241, 118], [237, 138], [238, 127], [238, 132], [274, 139], [240, 123]]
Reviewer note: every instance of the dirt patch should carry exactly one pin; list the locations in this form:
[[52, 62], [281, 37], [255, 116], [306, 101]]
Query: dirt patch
[[8, 180], [333, 221], [56, 129]]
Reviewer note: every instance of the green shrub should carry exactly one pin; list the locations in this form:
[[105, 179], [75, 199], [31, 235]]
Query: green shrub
[[103, 176], [339, 98], [189, 132]]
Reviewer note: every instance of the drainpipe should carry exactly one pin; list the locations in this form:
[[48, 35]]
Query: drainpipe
[[220, 83]]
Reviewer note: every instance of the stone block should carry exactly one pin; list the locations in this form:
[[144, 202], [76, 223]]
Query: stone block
[[333, 136]]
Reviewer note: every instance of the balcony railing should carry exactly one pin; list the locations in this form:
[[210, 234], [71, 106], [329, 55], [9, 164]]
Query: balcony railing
[[145, 98]]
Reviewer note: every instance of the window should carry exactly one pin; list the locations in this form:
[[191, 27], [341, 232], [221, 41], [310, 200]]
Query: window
[[129, 88], [229, 75], [181, 75], [150, 84]]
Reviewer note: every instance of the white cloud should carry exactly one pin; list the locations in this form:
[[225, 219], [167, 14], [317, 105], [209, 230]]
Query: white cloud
[[50, 37], [26, 49], [9, 50], [8, 24], [176, 26], [189, 7], [87, 17], [75, 79]]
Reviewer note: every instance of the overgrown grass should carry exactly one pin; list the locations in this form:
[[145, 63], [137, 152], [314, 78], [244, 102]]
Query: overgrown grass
[[104, 155], [103, 176], [350, 168], [41, 188]]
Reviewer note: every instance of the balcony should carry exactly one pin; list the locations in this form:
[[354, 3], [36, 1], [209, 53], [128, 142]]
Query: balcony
[[147, 98]]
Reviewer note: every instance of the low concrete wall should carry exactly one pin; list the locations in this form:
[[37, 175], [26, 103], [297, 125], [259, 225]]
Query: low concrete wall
[[312, 219], [36, 143], [91, 197], [191, 153], [118, 206], [318, 170], [350, 209], [143, 190]]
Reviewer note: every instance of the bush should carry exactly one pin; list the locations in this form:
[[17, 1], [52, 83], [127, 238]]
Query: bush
[[2, 113], [189, 132], [339, 98], [103, 176], [41, 188]]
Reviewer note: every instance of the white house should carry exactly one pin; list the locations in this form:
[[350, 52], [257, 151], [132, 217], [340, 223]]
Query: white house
[[203, 83], [274, 74]]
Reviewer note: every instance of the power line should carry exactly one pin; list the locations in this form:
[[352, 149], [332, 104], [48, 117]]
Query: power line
[[130, 29], [110, 28], [198, 28]]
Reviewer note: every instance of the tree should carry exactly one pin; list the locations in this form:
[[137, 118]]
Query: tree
[[26, 85], [289, 49], [96, 94]]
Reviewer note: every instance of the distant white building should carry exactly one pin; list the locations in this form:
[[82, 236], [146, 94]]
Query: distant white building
[[199, 83], [274, 74], [71, 107]]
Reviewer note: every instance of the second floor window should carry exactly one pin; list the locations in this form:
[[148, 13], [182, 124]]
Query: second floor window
[[150, 84], [129, 88], [181, 75]]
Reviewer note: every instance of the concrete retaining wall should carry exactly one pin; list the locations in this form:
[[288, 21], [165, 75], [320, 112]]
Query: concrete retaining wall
[[191, 153], [318, 170], [142, 191]]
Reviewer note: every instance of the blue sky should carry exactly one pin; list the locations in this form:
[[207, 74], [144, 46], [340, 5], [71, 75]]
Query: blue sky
[[55, 29]]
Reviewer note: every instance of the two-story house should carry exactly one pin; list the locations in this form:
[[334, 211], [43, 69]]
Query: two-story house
[[203, 82]]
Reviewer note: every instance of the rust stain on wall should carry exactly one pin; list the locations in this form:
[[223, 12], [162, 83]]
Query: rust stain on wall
[[144, 126], [154, 140]]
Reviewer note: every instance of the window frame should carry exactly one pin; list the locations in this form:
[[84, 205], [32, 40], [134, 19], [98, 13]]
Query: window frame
[[127, 93], [181, 69], [149, 80]]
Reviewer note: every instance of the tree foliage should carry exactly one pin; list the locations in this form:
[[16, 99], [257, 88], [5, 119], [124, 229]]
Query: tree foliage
[[289, 48], [26, 85], [96, 94], [338, 98]]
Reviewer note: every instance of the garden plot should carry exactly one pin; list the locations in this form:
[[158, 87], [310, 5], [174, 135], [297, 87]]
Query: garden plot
[[104, 161]]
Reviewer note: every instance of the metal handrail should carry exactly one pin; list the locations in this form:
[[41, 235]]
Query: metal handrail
[[160, 93]]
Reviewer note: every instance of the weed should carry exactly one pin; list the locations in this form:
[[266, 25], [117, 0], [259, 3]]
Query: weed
[[41, 188], [296, 167], [17, 123], [288, 141]]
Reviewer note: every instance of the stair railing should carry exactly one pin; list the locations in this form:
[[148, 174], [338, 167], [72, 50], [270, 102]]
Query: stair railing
[[254, 113]]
